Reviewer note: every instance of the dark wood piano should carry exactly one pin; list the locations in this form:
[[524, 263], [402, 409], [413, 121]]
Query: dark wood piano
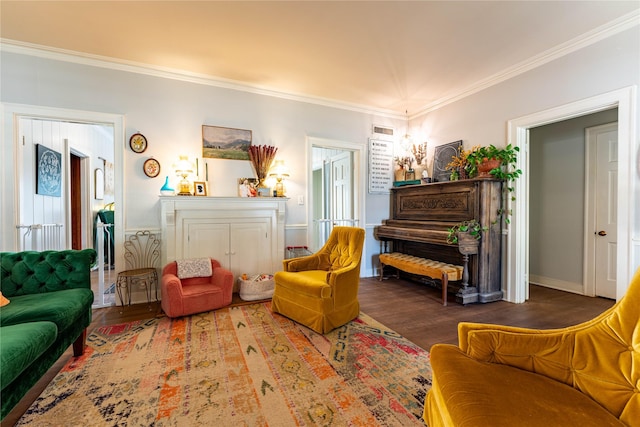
[[421, 215]]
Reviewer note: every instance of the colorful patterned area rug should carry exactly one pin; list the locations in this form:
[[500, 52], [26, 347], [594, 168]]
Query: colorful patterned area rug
[[238, 366]]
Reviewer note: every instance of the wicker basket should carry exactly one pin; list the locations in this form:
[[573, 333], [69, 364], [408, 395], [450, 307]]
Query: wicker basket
[[252, 290]]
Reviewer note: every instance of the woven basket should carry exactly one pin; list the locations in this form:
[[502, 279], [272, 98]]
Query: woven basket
[[252, 290]]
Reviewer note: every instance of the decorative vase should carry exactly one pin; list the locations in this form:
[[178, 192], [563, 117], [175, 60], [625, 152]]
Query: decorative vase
[[166, 189], [467, 244], [486, 166], [399, 174]]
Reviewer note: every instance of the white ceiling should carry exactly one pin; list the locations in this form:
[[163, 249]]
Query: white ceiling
[[386, 56]]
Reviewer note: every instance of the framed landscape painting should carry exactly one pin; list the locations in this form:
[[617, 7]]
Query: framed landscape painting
[[225, 143]]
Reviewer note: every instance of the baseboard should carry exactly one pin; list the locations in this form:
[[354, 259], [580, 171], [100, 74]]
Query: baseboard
[[561, 285]]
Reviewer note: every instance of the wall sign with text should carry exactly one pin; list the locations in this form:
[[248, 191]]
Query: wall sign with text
[[380, 166]]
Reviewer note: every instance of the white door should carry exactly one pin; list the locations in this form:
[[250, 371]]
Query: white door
[[601, 226], [341, 195]]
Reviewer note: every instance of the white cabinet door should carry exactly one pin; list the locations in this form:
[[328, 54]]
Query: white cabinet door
[[207, 239], [251, 248], [240, 246]]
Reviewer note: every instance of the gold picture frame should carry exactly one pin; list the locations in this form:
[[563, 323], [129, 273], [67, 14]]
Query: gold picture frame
[[200, 188]]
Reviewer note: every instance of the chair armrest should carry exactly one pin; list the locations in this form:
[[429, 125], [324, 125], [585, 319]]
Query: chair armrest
[[311, 262], [222, 277], [349, 276], [171, 286]]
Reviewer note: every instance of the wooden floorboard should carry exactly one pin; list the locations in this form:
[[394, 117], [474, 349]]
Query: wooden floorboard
[[412, 309]]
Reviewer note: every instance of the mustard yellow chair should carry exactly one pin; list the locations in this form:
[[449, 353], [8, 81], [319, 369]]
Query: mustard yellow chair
[[583, 375], [321, 290]]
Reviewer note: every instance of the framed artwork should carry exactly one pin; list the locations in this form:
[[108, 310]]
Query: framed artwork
[[48, 171], [248, 187], [138, 143], [109, 178], [151, 167], [225, 143], [199, 188], [99, 183], [442, 157]]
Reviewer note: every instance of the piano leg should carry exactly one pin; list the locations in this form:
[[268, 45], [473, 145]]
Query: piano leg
[[466, 294]]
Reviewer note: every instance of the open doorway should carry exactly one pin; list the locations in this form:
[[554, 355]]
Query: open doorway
[[335, 177], [83, 140], [562, 204], [516, 268]]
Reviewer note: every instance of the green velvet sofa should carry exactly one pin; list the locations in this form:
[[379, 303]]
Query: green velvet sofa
[[49, 309]]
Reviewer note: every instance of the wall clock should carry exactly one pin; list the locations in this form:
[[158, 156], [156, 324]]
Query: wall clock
[[151, 167], [138, 143]]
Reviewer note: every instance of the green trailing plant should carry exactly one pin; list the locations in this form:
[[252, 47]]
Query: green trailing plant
[[506, 171], [473, 227]]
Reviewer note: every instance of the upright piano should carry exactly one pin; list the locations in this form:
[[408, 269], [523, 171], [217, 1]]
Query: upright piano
[[421, 216]]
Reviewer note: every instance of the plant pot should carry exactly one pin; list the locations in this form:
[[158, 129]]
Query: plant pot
[[467, 244], [399, 174], [486, 166]]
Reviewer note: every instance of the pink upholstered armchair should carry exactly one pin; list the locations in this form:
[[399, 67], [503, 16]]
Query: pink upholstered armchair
[[186, 292]]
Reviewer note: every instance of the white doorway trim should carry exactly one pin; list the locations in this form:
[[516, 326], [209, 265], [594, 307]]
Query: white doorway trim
[[515, 282], [359, 178], [11, 113]]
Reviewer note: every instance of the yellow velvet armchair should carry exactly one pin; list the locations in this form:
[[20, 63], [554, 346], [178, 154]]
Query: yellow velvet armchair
[[321, 290], [583, 375]]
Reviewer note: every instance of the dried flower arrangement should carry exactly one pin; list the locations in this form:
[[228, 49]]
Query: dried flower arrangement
[[419, 152], [262, 157]]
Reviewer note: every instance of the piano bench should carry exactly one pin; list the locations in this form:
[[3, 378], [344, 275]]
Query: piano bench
[[422, 267]]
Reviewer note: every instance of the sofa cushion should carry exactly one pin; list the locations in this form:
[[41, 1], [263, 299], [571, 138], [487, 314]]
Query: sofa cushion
[[469, 392], [61, 308], [21, 345]]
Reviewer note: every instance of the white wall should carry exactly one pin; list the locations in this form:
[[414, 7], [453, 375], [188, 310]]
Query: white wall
[[170, 113]]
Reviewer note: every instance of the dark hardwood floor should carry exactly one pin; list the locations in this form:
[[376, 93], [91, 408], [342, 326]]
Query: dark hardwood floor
[[412, 309]]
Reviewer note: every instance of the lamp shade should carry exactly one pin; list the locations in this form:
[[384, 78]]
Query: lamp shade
[[279, 170], [184, 167]]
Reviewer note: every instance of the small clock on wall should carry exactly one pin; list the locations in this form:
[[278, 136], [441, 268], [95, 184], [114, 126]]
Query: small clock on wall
[[151, 167], [138, 143]]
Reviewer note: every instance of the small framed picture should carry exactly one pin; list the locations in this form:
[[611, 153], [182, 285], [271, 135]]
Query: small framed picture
[[199, 188], [247, 187]]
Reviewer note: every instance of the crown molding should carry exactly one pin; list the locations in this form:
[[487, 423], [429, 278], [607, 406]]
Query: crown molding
[[57, 54], [602, 32]]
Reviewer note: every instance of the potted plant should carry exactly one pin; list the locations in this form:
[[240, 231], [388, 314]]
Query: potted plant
[[503, 167], [459, 164], [466, 233]]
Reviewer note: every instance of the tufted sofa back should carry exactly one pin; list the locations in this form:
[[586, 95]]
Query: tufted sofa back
[[31, 272]]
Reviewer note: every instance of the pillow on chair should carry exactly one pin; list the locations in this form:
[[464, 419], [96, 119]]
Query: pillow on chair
[[196, 267]]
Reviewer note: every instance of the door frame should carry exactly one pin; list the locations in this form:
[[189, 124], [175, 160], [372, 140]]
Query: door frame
[[359, 178], [11, 114], [515, 277]]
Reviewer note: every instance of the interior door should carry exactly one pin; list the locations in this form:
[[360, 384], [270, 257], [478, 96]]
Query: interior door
[[605, 233], [340, 188]]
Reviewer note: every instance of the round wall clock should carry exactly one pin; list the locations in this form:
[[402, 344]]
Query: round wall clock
[[138, 143], [151, 167]]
